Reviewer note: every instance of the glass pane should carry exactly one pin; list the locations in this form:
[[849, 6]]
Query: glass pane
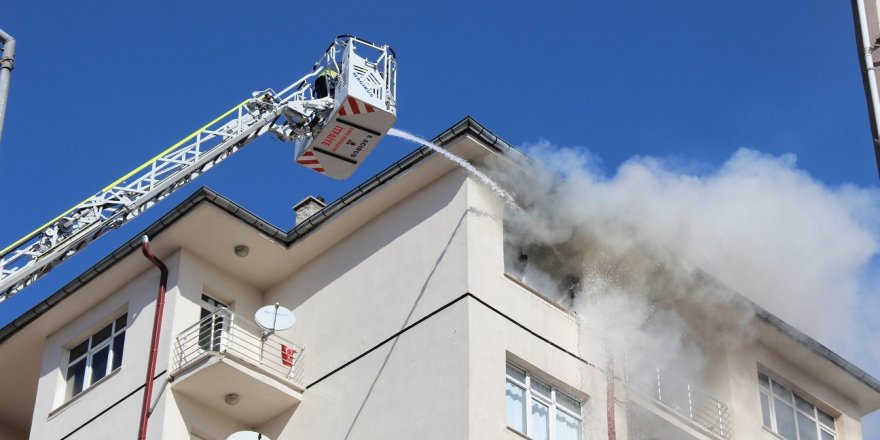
[[784, 419], [540, 421], [516, 373], [765, 410], [118, 347], [205, 332], [782, 392], [826, 419], [807, 428], [212, 302], [803, 405], [121, 322], [102, 335], [827, 436], [541, 388], [568, 403], [567, 427], [76, 375], [516, 407], [79, 350], [764, 380], [99, 364]]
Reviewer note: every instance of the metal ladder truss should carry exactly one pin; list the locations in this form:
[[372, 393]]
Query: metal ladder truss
[[289, 114]]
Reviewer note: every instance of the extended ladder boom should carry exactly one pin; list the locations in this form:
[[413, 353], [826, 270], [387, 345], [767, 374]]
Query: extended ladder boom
[[298, 113]]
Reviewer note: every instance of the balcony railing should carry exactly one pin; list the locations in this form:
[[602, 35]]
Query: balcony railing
[[225, 334], [688, 401]]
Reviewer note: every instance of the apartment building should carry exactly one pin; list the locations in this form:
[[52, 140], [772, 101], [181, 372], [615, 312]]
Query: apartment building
[[409, 325]]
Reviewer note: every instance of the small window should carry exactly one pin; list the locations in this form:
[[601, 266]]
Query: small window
[[96, 357], [790, 415], [538, 410]]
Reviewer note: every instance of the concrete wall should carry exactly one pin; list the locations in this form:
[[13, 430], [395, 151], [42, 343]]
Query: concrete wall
[[54, 415], [745, 401], [406, 263], [444, 377], [176, 416]]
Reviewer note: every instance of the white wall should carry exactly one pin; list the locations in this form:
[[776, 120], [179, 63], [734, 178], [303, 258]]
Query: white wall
[[394, 270], [54, 415], [745, 400], [444, 378], [176, 416]]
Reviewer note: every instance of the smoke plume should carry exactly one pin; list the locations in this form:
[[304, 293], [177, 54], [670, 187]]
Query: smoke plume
[[655, 256]]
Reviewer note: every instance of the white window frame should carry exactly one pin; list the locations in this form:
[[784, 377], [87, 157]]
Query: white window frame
[[88, 355], [767, 391], [549, 401]]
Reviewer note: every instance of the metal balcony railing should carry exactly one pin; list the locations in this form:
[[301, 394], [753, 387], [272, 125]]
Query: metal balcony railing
[[685, 399], [222, 333]]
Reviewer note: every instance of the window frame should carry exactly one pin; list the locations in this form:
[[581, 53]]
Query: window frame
[[88, 380], [792, 401], [551, 402]]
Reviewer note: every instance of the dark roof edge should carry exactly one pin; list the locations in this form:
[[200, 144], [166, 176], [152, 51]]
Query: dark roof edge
[[467, 126], [816, 347], [205, 195]]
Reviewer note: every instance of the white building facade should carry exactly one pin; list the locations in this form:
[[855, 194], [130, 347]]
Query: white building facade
[[408, 327]]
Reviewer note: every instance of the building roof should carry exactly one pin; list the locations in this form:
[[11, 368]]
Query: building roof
[[467, 126]]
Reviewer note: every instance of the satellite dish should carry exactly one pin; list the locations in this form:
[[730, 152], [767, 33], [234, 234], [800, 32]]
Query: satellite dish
[[248, 435], [274, 318]]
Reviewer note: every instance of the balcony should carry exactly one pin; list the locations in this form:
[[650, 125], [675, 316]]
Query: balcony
[[235, 368], [695, 413]]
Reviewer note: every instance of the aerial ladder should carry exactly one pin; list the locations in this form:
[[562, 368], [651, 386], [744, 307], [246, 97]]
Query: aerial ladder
[[334, 117]]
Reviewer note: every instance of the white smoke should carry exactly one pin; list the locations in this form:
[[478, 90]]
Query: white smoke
[[643, 239]]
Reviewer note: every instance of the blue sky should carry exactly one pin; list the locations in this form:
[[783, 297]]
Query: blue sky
[[99, 87]]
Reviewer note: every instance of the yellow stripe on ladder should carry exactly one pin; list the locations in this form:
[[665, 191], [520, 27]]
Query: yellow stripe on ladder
[[123, 178]]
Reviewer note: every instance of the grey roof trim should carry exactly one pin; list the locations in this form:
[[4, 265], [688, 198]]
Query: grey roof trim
[[816, 347], [467, 126], [205, 195]]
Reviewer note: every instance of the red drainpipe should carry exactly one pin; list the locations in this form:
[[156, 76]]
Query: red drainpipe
[[154, 344], [609, 384]]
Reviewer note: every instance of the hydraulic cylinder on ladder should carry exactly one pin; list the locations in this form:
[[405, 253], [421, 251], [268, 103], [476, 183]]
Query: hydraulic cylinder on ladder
[[334, 116]]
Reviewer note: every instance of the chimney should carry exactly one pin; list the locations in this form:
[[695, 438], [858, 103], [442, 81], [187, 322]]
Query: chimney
[[308, 206]]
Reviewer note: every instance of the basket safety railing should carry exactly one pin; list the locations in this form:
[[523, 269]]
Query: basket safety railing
[[685, 399], [222, 333]]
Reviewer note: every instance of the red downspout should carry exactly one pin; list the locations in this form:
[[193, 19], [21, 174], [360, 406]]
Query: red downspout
[[609, 383], [154, 344]]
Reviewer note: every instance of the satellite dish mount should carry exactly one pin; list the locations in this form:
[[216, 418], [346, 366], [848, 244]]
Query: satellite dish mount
[[273, 318]]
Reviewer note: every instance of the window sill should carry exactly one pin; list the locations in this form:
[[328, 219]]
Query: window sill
[[540, 295], [518, 433], [69, 402], [775, 435]]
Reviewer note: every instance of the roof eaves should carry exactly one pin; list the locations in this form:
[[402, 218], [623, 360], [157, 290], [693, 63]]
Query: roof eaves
[[467, 126], [205, 195], [816, 347]]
